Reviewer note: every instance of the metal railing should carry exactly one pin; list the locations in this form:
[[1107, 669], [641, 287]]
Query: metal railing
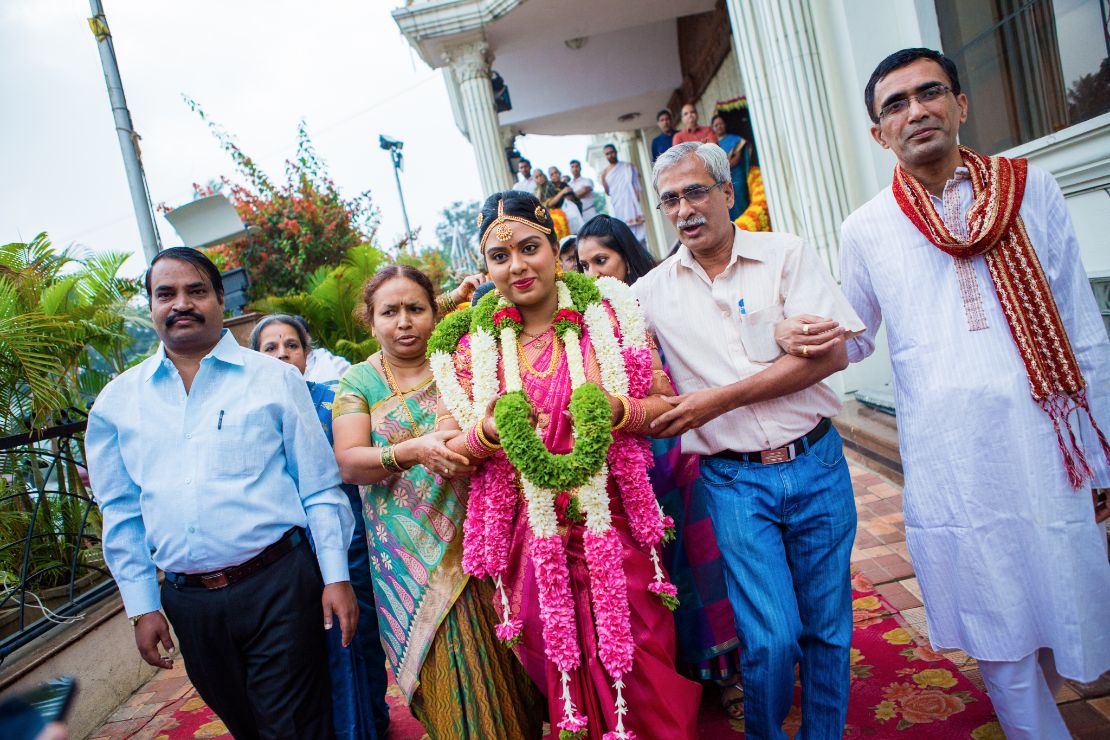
[[51, 565]]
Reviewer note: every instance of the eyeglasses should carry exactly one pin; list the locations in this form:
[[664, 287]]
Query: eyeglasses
[[926, 96], [695, 195]]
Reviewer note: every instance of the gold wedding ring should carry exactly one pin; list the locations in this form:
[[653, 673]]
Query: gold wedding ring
[[805, 350]]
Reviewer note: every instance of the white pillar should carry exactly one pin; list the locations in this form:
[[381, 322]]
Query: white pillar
[[660, 235], [470, 64], [798, 153]]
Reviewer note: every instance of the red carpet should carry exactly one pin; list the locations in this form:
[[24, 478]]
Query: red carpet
[[900, 689]]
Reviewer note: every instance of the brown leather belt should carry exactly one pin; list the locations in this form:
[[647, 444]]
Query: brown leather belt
[[786, 452], [218, 579]]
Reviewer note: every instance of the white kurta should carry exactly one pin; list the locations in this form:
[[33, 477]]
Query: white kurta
[[1007, 554], [623, 182], [322, 366]]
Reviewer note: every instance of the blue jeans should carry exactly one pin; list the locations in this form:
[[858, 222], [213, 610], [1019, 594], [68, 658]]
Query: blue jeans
[[786, 534]]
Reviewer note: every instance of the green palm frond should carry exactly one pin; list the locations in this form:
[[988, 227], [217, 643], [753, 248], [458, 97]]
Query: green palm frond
[[61, 297], [30, 345]]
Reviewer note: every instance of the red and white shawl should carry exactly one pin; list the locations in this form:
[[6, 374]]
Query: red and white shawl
[[995, 230]]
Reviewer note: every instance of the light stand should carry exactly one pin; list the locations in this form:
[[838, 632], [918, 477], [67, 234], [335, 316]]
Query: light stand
[[393, 146]]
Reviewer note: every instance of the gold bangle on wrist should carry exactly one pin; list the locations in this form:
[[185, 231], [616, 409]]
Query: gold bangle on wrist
[[481, 432], [389, 460], [445, 303], [625, 416]]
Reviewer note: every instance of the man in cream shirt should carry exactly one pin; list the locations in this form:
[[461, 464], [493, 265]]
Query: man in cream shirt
[[778, 487]]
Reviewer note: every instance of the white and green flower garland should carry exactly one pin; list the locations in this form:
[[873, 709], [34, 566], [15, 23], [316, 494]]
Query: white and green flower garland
[[625, 363]]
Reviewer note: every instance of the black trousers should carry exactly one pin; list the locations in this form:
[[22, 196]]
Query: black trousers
[[255, 650]]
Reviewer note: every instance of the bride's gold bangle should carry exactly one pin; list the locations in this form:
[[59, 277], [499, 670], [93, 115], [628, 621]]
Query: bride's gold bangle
[[625, 416], [481, 432]]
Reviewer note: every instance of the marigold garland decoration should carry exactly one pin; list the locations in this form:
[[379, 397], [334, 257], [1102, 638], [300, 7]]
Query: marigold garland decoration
[[755, 217]]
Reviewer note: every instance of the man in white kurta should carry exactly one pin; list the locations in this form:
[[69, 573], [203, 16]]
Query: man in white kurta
[[622, 185], [1011, 562]]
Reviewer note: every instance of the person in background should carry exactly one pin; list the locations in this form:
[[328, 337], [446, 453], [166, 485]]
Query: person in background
[[621, 181], [738, 153], [772, 463], [208, 462], [322, 365], [526, 182], [568, 254], [694, 132], [438, 624], [1001, 389], [583, 187], [358, 678], [707, 641], [665, 140], [569, 200], [548, 192]]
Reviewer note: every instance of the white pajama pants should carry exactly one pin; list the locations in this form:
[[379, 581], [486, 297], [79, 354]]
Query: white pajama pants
[[1023, 694]]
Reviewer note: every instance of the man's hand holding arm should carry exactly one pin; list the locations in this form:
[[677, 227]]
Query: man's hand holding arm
[[785, 376]]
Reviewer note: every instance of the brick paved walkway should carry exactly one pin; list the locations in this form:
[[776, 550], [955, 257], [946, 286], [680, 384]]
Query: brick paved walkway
[[879, 553]]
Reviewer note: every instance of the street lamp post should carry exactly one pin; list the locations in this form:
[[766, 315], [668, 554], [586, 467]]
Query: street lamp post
[[128, 138], [393, 146]]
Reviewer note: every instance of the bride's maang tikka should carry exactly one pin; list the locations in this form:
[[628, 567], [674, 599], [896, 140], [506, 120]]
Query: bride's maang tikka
[[501, 229]]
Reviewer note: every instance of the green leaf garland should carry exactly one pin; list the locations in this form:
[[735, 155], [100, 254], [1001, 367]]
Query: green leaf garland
[[449, 331], [589, 410]]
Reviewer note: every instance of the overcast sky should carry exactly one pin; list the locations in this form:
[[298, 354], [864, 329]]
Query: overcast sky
[[257, 67]]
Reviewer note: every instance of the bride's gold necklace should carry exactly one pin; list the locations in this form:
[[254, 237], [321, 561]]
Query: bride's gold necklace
[[527, 364]]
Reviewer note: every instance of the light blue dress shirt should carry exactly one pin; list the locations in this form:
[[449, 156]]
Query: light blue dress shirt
[[197, 482]]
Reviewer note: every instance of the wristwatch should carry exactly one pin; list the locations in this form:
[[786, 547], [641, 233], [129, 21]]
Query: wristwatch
[[135, 619]]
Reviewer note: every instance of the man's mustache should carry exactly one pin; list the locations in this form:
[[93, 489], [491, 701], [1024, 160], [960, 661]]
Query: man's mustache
[[696, 220], [173, 317]]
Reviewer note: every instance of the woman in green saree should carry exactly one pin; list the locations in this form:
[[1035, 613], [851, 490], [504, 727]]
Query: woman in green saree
[[436, 623]]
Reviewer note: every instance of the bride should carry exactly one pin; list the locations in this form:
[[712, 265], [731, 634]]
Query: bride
[[553, 381]]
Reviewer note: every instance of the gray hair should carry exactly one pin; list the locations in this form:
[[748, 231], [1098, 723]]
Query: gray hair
[[712, 156], [280, 318]]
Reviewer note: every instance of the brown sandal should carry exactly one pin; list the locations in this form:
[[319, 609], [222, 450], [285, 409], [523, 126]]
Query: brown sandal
[[732, 700]]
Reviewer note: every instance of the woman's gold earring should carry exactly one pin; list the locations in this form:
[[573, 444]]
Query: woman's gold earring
[[558, 268]]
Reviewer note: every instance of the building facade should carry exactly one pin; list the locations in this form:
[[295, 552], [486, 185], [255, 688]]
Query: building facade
[[1037, 73]]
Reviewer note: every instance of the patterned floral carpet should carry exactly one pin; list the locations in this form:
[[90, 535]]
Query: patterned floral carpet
[[901, 688]]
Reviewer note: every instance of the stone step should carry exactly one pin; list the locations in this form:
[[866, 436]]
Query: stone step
[[871, 438]]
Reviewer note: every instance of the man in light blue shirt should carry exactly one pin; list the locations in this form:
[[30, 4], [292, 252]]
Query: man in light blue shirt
[[208, 462]]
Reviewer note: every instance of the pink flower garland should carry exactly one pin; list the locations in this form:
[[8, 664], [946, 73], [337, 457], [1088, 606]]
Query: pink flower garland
[[629, 460], [560, 631], [473, 559], [609, 589], [637, 363], [500, 483]]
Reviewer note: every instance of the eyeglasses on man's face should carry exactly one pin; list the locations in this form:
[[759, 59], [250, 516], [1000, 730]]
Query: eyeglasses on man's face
[[926, 96], [694, 195]]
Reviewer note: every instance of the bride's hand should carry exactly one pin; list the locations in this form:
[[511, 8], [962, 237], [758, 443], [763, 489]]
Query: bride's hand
[[431, 451], [489, 424]]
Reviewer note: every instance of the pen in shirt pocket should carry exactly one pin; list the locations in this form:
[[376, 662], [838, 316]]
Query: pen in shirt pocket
[[220, 421], [740, 305]]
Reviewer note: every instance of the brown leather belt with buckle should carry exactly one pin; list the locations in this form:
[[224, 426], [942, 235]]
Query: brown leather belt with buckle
[[786, 452], [218, 579]]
